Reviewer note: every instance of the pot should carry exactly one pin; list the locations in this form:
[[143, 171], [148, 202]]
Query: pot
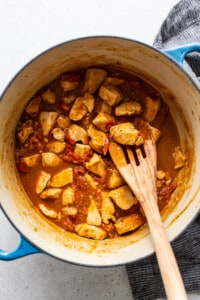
[[164, 71]]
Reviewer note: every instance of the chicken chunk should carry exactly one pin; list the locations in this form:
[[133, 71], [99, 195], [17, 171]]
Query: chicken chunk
[[128, 223], [179, 158], [25, 131], [102, 121], [90, 181], [32, 160], [107, 208], [81, 150], [114, 179], [123, 197], [114, 81], [96, 165], [93, 79], [111, 94], [47, 120], [102, 106], [89, 102], [63, 122], [78, 134], [69, 82], [51, 193], [49, 97], [33, 107], [69, 211], [78, 110], [69, 98], [98, 139], [42, 181], [129, 108], [68, 196], [156, 134], [58, 134], [62, 178], [50, 159], [93, 215], [56, 147], [152, 107], [47, 211], [90, 231], [125, 134]]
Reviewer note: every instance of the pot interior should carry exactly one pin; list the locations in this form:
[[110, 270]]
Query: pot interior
[[178, 91]]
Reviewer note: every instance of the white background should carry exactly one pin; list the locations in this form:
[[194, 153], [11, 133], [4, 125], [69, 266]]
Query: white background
[[27, 28]]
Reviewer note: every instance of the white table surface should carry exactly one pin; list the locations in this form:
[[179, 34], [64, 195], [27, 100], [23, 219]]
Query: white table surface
[[26, 29]]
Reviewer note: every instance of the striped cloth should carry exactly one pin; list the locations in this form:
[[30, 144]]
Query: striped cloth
[[182, 26]]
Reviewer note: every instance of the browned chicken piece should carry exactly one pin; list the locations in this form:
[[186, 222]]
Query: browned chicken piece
[[69, 211], [51, 193], [98, 139], [50, 159], [78, 134], [129, 108], [58, 134], [152, 107], [102, 121], [123, 197], [33, 107], [156, 134], [128, 223], [89, 102], [90, 181], [111, 94], [49, 97], [25, 131], [62, 178], [96, 165], [179, 158], [107, 208], [102, 106], [32, 160], [90, 231], [69, 98], [93, 215], [63, 122], [114, 179], [47, 120], [56, 147], [114, 81], [47, 211], [78, 110], [93, 78], [42, 181], [81, 149], [68, 196], [125, 134], [69, 82]]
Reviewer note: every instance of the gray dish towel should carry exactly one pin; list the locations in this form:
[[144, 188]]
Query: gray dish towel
[[182, 26]]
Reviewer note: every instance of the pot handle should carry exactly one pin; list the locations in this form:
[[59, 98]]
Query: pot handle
[[24, 248], [179, 53]]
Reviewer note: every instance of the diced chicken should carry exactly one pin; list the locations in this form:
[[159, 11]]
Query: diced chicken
[[68, 196], [93, 215], [90, 231], [56, 147], [47, 211], [93, 78], [25, 131], [113, 81], [160, 174], [51, 193], [152, 107], [62, 178], [107, 208], [63, 122], [123, 197], [42, 181], [49, 97], [125, 134], [32, 160], [102, 121], [47, 120], [114, 179], [129, 108], [78, 134], [78, 110], [111, 94], [89, 102], [90, 181], [69, 210], [69, 98], [128, 223], [58, 134], [179, 158], [96, 165], [69, 82], [50, 159], [102, 107], [33, 107], [156, 134], [81, 150], [98, 139]]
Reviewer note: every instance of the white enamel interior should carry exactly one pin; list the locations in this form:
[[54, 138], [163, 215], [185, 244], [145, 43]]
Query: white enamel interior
[[130, 56]]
